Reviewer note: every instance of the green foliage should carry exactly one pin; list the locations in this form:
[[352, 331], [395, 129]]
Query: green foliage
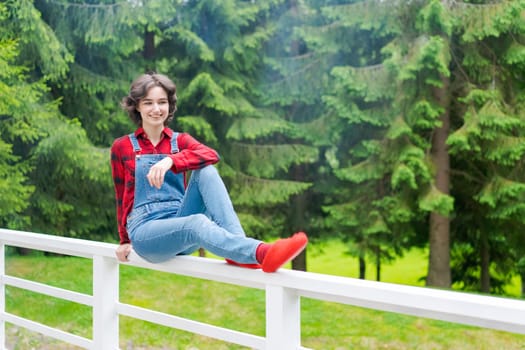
[[342, 215], [487, 144], [372, 84], [251, 191], [198, 127], [466, 255], [361, 172], [376, 224], [478, 21], [245, 51], [506, 150], [495, 125], [253, 128], [73, 182], [21, 101], [429, 53], [398, 129], [459, 140], [505, 197], [375, 16], [40, 44], [403, 175], [424, 114], [15, 192], [297, 82], [23, 110], [203, 91], [267, 161], [399, 208], [324, 113], [433, 200], [105, 38], [432, 42], [195, 46], [435, 19], [515, 55]]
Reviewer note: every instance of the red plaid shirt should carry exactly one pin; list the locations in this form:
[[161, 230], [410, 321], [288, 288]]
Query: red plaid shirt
[[192, 155]]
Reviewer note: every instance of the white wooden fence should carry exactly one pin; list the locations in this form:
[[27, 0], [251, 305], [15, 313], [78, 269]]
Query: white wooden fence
[[283, 292]]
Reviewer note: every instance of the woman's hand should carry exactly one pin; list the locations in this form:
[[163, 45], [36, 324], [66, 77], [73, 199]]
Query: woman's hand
[[158, 170], [123, 251]]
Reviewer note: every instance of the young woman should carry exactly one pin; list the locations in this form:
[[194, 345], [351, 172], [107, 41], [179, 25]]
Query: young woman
[[161, 216]]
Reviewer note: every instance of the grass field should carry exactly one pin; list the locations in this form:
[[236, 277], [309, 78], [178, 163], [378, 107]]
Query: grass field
[[330, 257], [324, 326]]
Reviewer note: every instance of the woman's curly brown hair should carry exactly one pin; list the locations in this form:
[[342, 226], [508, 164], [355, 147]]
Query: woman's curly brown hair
[[139, 89]]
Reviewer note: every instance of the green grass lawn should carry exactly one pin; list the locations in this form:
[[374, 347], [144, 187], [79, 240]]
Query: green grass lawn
[[324, 325]]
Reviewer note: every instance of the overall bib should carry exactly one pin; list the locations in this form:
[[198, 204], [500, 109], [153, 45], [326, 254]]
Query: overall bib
[[173, 220]]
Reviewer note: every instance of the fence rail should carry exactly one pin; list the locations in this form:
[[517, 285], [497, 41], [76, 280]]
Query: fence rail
[[284, 290]]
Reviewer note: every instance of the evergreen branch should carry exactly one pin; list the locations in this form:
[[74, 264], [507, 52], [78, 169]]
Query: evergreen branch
[[460, 66], [494, 59], [303, 69], [464, 5], [467, 176], [68, 4], [373, 68], [250, 178]]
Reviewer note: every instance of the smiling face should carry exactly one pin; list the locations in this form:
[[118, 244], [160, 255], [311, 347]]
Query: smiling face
[[144, 93], [154, 108]]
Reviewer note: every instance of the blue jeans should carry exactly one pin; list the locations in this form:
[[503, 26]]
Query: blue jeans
[[204, 218]]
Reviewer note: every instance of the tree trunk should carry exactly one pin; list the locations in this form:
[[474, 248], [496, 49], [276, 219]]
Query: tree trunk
[[439, 258], [522, 284], [23, 251], [362, 268], [439, 236], [298, 224], [149, 50], [378, 264], [485, 263], [299, 263]]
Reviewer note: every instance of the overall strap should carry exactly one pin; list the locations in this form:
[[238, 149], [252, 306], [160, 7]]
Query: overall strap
[[136, 147], [134, 142], [174, 144]]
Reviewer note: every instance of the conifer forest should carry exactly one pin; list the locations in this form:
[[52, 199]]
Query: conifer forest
[[385, 124]]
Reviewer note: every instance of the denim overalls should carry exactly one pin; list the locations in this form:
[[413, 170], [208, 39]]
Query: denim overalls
[[172, 220]]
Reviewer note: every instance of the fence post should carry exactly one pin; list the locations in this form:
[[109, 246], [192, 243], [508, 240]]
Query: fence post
[[283, 318], [105, 298], [2, 297]]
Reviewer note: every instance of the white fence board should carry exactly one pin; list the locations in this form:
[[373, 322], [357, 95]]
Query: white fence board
[[283, 292]]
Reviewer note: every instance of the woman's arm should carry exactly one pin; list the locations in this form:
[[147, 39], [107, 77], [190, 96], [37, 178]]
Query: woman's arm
[[193, 154], [118, 174]]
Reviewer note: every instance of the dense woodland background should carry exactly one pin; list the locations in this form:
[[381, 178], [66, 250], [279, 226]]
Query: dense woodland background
[[388, 124]]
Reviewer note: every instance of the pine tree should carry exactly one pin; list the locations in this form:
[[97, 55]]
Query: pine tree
[[445, 65], [52, 151], [220, 79], [387, 123], [24, 109], [287, 88], [376, 154], [487, 145], [212, 50], [111, 44]]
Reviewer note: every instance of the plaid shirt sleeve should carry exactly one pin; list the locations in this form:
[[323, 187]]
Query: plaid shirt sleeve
[[193, 154], [119, 153]]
